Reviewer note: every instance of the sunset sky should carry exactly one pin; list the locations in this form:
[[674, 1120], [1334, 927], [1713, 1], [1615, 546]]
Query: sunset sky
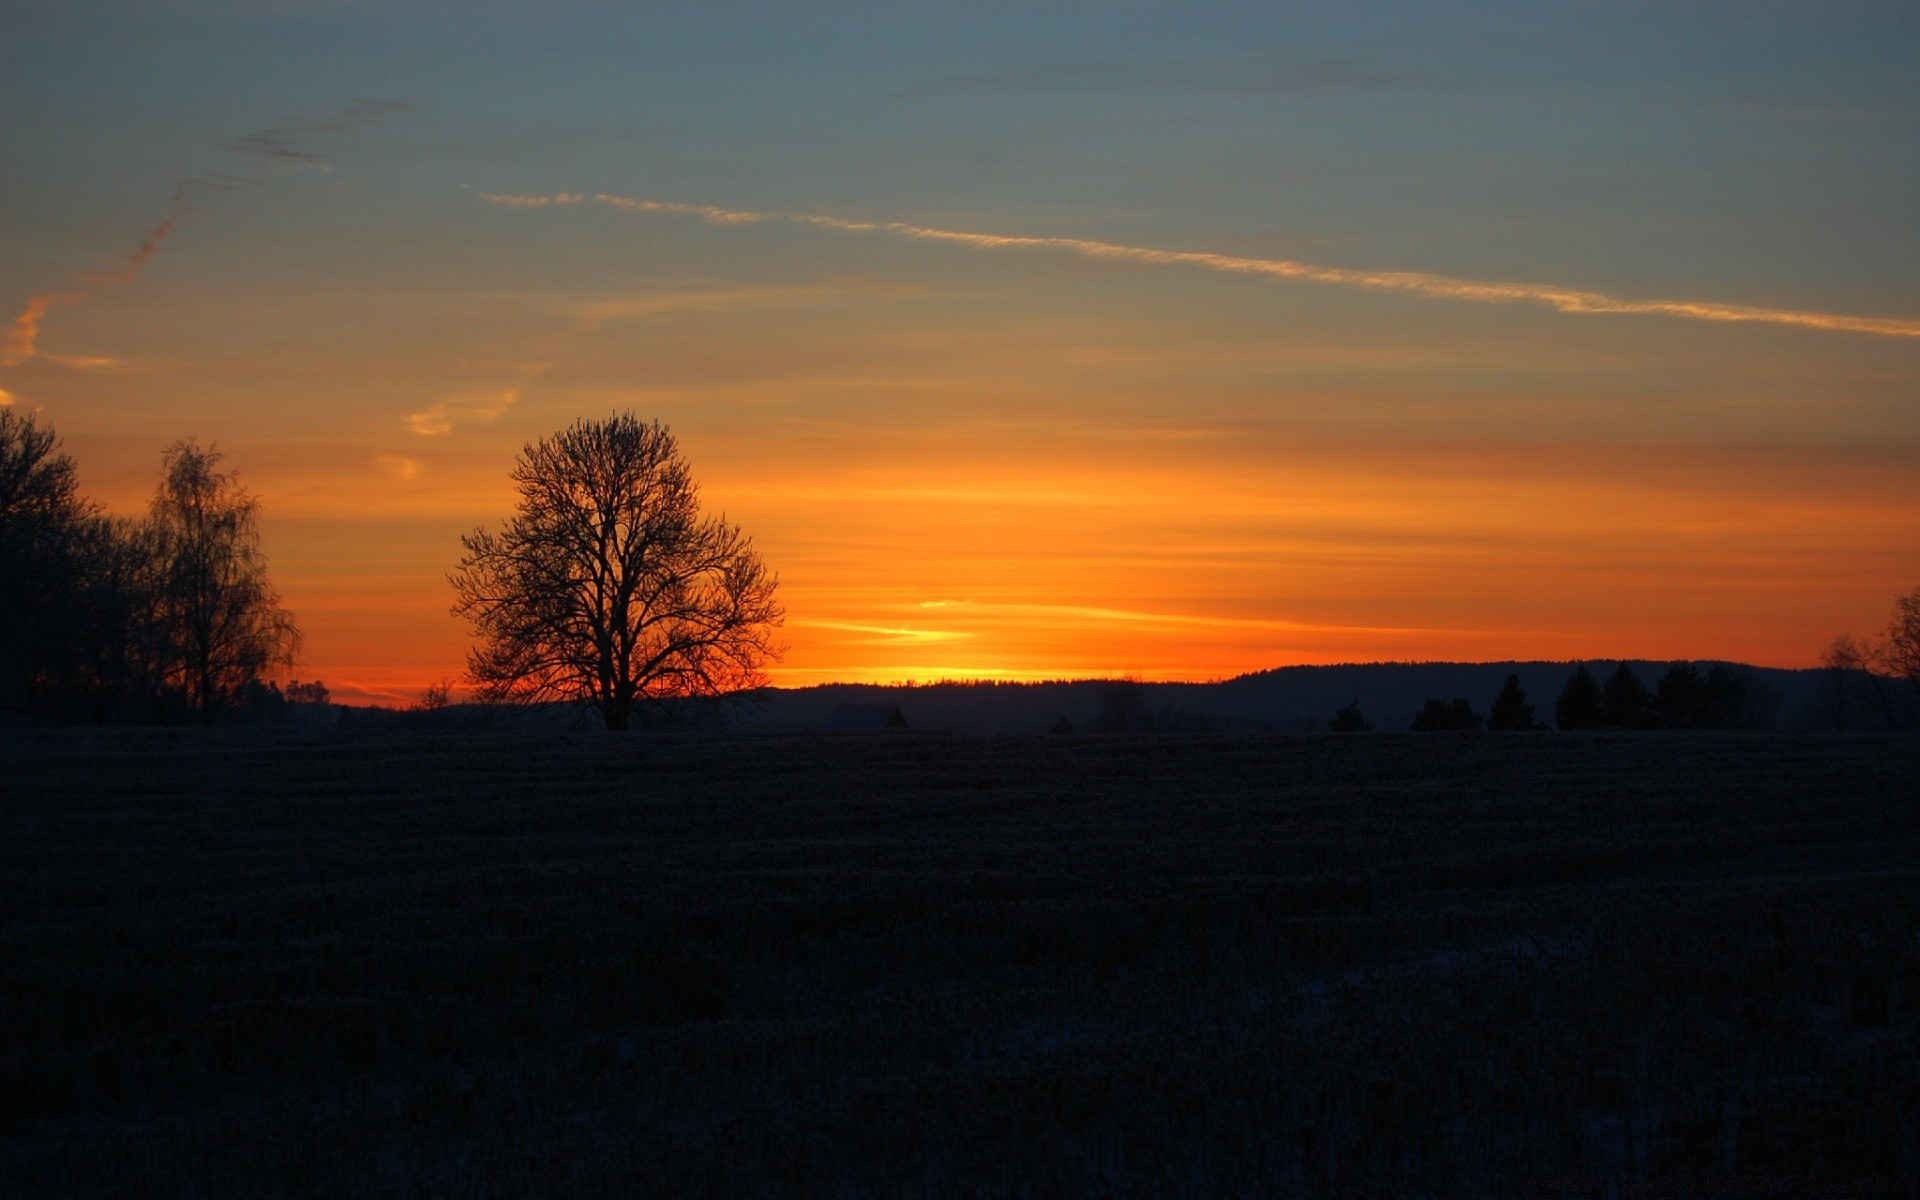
[[1104, 339]]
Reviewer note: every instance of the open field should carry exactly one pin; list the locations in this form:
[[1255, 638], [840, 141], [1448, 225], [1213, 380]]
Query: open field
[[407, 964]]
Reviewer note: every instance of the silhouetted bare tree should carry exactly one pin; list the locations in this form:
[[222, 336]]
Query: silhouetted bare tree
[[227, 626], [1899, 650], [608, 588]]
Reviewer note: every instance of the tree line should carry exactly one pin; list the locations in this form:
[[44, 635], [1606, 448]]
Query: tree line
[[1720, 697], [162, 618]]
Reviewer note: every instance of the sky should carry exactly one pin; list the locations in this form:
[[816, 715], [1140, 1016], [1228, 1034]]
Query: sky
[[1024, 341]]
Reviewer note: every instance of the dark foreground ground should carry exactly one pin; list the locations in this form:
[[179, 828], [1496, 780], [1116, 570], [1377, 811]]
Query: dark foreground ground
[[407, 964]]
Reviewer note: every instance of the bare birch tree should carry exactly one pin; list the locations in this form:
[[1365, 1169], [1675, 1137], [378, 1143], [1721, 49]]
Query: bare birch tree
[[227, 626]]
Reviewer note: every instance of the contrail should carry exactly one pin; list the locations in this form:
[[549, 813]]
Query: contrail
[[1417, 283], [136, 262], [23, 335], [269, 146]]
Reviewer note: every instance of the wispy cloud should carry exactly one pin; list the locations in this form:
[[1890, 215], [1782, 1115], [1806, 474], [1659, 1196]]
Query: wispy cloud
[[277, 145], [1077, 612], [439, 419], [1246, 74], [24, 334], [398, 466], [504, 201], [1415, 283], [887, 634], [101, 364], [6, 398]]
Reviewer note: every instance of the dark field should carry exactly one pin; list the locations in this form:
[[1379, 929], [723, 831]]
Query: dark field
[[408, 964]]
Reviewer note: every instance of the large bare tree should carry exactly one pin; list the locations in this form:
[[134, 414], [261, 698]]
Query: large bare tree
[[608, 588]]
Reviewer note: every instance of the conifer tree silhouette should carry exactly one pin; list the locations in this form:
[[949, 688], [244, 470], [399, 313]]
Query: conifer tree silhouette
[[1579, 704], [1510, 709]]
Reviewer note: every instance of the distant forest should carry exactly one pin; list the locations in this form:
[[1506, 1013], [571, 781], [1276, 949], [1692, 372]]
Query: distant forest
[[171, 618]]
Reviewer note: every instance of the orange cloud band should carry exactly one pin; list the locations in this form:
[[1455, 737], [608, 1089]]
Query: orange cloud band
[[1439, 287]]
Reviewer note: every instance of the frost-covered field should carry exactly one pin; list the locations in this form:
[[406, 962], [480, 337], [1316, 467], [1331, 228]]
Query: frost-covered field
[[592, 965]]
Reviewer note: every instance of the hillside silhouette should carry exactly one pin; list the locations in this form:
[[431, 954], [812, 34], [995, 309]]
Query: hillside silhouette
[[1284, 699]]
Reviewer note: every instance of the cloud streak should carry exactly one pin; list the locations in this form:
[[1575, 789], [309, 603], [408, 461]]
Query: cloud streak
[[438, 419], [1248, 75], [270, 146], [1413, 283], [24, 333]]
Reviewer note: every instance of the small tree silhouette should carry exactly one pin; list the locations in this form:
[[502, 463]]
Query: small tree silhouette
[[1729, 696], [1579, 704], [1438, 715], [1624, 702], [1510, 709], [1123, 708], [1350, 720]]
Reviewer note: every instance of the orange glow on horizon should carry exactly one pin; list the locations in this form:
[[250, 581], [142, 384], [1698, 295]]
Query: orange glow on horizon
[[1014, 571]]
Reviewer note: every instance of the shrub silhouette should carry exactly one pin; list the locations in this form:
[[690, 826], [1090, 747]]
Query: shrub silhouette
[[1350, 720], [1438, 715]]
